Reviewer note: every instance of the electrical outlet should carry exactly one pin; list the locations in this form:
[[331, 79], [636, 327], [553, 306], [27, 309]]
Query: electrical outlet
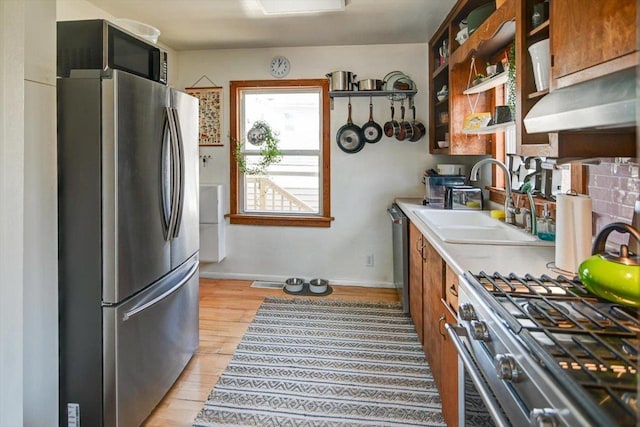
[[368, 260]]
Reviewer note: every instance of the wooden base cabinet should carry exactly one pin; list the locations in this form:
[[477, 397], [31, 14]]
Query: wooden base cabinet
[[440, 352], [415, 278]]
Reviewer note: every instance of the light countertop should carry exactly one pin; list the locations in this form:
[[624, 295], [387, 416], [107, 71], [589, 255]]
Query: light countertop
[[488, 258]]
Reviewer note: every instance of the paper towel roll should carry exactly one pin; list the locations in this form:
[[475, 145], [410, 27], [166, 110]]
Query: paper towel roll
[[573, 231]]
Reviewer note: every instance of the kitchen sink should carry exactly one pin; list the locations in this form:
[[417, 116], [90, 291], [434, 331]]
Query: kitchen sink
[[475, 227]]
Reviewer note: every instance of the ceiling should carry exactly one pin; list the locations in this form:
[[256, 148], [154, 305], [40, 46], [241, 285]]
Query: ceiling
[[232, 24]]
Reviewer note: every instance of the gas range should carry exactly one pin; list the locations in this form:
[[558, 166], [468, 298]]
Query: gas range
[[549, 351]]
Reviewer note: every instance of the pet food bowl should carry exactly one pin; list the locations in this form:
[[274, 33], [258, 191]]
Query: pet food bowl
[[294, 284], [318, 286]]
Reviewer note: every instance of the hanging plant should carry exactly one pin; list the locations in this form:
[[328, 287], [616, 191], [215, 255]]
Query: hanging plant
[[511, 79], [263, 136]]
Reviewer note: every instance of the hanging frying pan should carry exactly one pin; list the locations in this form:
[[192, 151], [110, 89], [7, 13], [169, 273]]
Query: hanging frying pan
[[349, 136], [392, 125], [371, 130], [418, 128]]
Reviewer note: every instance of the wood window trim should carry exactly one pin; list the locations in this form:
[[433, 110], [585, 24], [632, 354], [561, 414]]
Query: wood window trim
[[235, 216]]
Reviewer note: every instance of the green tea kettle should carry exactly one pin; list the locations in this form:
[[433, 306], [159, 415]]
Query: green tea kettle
[[613, 276]]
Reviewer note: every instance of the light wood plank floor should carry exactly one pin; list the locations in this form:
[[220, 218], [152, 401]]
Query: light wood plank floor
[[226, 309]]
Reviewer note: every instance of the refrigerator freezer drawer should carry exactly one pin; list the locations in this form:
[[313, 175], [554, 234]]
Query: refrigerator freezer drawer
[[148, 342]]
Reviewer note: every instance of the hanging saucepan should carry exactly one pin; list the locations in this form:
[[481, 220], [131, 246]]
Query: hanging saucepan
[[371, 130], [613, 276], [418, 128], [392, 125], [349, 136], [405, 131]]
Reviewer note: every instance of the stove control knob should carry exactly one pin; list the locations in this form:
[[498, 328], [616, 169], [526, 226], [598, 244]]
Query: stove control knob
[[479, 330], [544, 418], [506, 367], [467, 312]]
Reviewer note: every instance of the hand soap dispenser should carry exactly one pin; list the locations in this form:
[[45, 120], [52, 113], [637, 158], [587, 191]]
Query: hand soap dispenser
[[546, 226]]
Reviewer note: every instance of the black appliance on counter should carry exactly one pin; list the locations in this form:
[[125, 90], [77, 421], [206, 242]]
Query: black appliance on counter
[[543, 351]]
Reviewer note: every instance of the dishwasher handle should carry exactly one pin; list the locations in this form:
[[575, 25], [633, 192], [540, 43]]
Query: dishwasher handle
[[395, 215]]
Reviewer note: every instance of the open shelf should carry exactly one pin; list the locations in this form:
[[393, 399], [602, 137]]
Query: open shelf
[[488, 84], [397, 94], [539, 29], [497, 31], [489, 129], [440, 69], [538, 94]]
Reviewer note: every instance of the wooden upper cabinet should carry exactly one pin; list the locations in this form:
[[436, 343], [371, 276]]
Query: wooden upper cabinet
[[591, 37]]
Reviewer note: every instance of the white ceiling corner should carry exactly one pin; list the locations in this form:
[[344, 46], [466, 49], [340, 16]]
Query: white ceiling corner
[[227, 24]]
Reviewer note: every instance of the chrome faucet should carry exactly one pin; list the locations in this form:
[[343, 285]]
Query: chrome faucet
[[509, 208], [530, 220]]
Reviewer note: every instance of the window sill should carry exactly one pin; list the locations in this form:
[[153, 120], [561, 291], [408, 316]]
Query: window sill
[[280, 221]]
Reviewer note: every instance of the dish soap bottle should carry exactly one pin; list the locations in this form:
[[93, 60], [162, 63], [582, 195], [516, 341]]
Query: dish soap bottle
[[546, 226]]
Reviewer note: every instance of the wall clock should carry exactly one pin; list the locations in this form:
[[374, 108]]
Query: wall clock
[[279, 67]]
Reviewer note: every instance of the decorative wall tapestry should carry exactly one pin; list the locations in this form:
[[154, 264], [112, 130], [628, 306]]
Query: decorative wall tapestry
[[210, 101]]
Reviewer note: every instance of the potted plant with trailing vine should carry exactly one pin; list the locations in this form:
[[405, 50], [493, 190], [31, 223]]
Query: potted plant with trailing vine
[[511, 79], [260, 135]]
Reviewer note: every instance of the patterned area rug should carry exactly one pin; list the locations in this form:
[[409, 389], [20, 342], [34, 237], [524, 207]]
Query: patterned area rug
[[316, 362]]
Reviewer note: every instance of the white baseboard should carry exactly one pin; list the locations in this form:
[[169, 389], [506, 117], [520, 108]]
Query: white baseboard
[[270, 278]]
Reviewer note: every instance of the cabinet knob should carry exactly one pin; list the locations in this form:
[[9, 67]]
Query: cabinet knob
[[506, 367], [467, 312], [479, 330], [440, 320], [544, 418]]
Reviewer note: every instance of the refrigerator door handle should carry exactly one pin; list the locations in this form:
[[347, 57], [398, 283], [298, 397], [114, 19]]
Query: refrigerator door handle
[[129, 314], [166, 183], [175, 172], [180, 176]]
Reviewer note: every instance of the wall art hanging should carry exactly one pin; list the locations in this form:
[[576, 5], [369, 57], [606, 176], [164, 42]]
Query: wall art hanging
[[210, 102]]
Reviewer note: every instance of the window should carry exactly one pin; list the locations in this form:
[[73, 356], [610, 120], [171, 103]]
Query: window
[[296, 190]]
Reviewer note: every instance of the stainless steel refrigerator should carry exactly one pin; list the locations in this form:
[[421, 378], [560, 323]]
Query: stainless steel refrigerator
[[128, 244]]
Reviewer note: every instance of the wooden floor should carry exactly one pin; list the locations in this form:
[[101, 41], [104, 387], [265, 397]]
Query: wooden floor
[[226, 309]]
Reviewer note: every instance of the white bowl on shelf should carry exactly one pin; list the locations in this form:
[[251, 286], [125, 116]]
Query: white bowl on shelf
[[462, 36], [443, 144], [138, 28]]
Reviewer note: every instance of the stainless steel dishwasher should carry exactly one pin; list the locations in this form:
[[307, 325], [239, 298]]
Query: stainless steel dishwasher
[[400, 231]]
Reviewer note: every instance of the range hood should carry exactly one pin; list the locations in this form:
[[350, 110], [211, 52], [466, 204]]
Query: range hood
[[603, 103]]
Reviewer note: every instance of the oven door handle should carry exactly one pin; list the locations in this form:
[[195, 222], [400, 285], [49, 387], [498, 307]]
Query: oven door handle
[[455, 332]]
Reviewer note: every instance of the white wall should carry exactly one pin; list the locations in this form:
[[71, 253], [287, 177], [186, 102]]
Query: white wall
[[11, 210], [363, 184], [28, 252]]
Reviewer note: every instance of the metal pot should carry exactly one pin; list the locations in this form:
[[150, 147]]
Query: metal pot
[[392, 125], [341, 80], [371, 130], [349, 136], [613, 276], [370, 84]]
